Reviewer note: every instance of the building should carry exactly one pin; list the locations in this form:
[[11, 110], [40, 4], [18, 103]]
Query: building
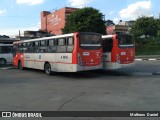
[[115, 29], [122, 27], [54, 22], [126, 23]]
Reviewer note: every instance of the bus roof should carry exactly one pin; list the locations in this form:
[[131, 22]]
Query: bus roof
[[107, 36], [46, 38]]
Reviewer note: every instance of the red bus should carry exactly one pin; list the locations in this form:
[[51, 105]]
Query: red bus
[[73, 52], [118, 51]]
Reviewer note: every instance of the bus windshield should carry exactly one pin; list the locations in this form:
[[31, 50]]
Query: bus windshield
[[125, 40], [90, 41]]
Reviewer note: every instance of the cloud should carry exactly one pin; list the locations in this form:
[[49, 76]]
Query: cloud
[[111, 12], [137, 9], [3, 11], [79, 3], [29, 2], [116, 20]]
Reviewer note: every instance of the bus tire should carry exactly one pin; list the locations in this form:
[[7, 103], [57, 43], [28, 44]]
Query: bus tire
[[47, 69], [3, 61], [20, 65]]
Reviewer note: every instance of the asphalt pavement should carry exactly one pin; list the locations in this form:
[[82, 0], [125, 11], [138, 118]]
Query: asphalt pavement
[[128, 89]]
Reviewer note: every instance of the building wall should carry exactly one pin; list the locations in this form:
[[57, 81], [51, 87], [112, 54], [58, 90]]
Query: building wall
[[126, 23], [117, 29], [54, 22]]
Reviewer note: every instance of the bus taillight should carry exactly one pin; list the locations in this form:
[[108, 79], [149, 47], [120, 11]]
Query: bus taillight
[[118, 58], [79, 60]]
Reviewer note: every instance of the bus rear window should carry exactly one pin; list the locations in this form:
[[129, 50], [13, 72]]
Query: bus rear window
[[90, 42], [125, 41]]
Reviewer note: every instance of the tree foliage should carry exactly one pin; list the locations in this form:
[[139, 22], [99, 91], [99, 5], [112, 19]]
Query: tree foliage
[[145, 26], [85, 20], [109, 23], [158, 24]]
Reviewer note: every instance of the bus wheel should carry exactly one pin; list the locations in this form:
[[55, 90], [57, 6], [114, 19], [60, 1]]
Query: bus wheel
[[3, 61], [47, 69], [20, 65]]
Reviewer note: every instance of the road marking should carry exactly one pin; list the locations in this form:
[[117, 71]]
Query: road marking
[[151, 59], [138, 59]]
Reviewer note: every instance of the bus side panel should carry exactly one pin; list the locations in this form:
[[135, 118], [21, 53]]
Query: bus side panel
[[64, 62], [37, 60], [29, 60], [7, 56]]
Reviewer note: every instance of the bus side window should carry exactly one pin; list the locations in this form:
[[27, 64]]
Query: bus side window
[[8, 49], [52, 46], [29, 49], [1, 49], [20, 48], [24, 47], [35, 46], [43, 46], [107, 45], [61, 48], [70, 44]]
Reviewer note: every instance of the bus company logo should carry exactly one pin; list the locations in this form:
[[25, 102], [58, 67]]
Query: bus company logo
[[131, 52], [6, 114], [98, 54]]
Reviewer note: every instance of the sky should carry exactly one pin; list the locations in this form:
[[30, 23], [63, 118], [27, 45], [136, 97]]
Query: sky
[[23, 15]]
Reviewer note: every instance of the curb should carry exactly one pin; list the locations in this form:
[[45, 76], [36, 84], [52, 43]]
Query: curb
[[151, 59]]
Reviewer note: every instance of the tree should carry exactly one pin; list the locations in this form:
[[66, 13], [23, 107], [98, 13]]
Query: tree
[[4, 36], [85, 20], [109, 23], [145, 26], [158, 24]]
